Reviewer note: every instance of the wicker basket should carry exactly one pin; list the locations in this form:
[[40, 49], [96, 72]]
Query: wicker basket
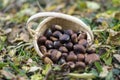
[[64, 20]]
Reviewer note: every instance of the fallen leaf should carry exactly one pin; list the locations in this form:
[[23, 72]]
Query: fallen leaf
[[114, 38], [104, 72], [51, 8], [98, 66], [12, 52], [117, 57], [47, 68], [92, 5], [2, 64], [8, 30], [117, 15], [116, 27], [34, 68], [24, 37], [8, 75], [72, 9], [116, 71], [37, 77], [21, 78], [109, 76], [26, 68], [18, 34], [13, 34], [29, 61]]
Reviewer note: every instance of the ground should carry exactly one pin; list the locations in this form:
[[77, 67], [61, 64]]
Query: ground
[[18, 58]]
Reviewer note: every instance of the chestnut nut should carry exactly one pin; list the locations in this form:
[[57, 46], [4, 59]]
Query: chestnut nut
[[67, 48]]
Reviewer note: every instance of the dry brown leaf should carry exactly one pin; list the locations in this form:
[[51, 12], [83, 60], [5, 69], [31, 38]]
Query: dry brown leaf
[[18, 34], [8, 75], [21, 78], [117, 15], [24, 37], [13, 34], [72, 9], [117, 57], [114, 38]]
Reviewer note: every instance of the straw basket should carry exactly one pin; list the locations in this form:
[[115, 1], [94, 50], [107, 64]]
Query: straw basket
[[64, 20]]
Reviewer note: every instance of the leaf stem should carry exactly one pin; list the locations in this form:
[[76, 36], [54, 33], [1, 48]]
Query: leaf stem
[[88, 76]]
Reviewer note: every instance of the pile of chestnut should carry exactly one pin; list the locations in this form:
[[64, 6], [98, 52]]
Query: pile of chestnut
[[66, 47]]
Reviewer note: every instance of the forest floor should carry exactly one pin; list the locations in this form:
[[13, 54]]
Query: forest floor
[[18, 58]]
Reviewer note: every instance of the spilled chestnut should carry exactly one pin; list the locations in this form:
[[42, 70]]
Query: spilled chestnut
[[66, 47]]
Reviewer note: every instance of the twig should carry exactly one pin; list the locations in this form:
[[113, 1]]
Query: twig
[[41, 9], [48, 73]]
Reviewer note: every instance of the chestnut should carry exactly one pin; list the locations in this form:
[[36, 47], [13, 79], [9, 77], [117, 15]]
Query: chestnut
[[48, 33], [62, 61], [69, 32], [64, 55], [57, 34], [49, 44], [90, 58], [74, 38], [69, 45], [83, 42], [57, 44], [80, 64], [48, 53], [43, 49], [64, 38], [79, 48], [71, 64], [41, 40], [80, 57], [56, 27], [90, 50], [55, 55], [47, 60], [82, 36], [53, 38], [63, 49], [71, 56]]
